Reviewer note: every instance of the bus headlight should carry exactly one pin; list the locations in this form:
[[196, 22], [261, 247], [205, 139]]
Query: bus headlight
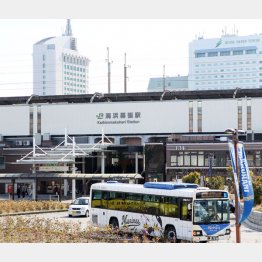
[[197, 233], [228, 231]]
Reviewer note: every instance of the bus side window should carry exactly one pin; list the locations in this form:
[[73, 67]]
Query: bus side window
[[104, 199], [116, 201], [96, 198], [151, 204], [186, 213], [99, 199], [133, 202]]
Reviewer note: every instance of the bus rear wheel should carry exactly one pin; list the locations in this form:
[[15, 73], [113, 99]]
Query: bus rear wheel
[[113, 223], [170, 235]]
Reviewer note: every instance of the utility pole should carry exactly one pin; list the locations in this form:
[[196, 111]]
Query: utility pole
[[109, 71], [164, 78], [125, 75]]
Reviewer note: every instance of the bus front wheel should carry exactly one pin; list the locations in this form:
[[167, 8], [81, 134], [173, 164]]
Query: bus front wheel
[[114, 223], [170, 235]]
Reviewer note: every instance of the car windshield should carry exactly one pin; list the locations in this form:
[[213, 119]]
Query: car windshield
[[211, 211], [81, 201]]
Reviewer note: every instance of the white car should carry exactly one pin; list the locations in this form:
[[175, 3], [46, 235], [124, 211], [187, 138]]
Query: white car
[[80, 207]]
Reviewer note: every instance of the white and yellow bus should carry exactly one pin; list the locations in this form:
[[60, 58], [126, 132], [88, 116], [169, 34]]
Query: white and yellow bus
[[162, 209]]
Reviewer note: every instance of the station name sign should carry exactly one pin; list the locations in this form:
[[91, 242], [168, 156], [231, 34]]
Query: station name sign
[[121, 118]]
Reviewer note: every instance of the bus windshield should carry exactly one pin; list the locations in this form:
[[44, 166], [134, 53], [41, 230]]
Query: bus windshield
[[211, 211]]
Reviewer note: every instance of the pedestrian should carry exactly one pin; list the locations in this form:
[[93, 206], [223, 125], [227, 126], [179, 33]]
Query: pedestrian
[[29, 191], [23, 191], [18, 191], [56, 190]]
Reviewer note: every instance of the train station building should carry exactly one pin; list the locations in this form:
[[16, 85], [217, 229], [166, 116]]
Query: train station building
[[72, 141]]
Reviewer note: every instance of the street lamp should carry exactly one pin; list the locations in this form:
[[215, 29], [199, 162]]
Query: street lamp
[[235, 133]]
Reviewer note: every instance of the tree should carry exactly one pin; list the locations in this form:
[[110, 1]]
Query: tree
[[216, 182], [257, 187], [192, 177]]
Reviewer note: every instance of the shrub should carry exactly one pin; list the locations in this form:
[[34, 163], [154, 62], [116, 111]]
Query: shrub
[[13, 206], [192, 177]]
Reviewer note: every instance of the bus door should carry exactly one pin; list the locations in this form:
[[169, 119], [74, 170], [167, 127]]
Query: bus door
[[186, 217]]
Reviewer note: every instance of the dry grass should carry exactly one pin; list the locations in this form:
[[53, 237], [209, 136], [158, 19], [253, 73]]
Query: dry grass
[[40, 230], [11, 206]]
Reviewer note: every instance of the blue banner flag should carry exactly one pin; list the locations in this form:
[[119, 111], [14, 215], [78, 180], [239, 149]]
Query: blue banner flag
[[233, 163], [245, 183]]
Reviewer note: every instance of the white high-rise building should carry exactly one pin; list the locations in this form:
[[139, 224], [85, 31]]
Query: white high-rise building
[[58, 68], [228, 62]]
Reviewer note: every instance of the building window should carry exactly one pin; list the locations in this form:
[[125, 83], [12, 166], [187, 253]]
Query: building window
[[258, 158], [2, 162], [43, 57], [199, 116], [251, 51], [51, 46], [180, 159], [200, 55], [238, 52], [249, 114], [225, 53], [239, 114], [31, 119], [190, 116], [211, 54], [186, 159], [200, 159], [39, 119]]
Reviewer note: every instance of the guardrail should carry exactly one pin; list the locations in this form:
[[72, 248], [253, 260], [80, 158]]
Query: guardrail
[[51, 197]]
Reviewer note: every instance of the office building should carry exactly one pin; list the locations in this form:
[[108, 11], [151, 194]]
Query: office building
[[228, 62], [158, 84], [58, 67]]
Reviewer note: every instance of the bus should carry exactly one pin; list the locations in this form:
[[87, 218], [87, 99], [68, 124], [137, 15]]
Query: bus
[[168, 210]]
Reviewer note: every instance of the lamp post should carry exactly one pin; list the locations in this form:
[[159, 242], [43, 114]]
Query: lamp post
[[235, 133]]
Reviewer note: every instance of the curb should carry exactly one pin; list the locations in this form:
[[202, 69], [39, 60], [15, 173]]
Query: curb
[[254, 220], [32, 212]]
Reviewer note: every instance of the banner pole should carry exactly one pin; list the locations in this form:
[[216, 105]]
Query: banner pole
[[235, 139]]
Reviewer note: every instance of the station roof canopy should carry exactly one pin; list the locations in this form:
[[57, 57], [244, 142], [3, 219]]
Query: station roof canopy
[[69, 176], [139, 96]]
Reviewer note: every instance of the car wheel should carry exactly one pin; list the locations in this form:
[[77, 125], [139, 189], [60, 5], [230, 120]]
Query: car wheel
[[114, 223], [87, 213], [170, 235]]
